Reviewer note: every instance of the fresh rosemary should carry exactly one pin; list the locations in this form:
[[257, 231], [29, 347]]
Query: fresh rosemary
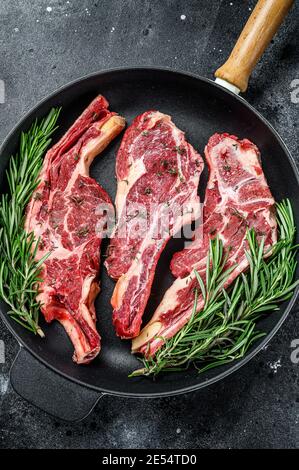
[[19, 272], [226, 327]]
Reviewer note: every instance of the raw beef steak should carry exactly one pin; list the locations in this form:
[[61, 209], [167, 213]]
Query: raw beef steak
[[157, 178], [237, 198], [63, 215]]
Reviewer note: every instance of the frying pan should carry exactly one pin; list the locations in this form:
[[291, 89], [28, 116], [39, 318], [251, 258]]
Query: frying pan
[[43, 372]]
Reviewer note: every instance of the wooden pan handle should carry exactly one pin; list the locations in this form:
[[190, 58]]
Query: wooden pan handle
[[260, 28]]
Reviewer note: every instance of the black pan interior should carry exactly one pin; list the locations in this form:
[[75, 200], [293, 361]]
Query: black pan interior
[[200, 108]]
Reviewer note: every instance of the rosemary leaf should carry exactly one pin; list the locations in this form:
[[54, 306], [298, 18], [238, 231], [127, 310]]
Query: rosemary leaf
[[19, 272], [225, 328]]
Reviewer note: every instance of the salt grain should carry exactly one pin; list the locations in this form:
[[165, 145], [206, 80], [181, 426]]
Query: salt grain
[[183, 17], [274, 366], [178, 431], [49, 9]]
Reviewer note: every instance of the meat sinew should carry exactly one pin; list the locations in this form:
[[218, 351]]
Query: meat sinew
[[157, 178], [237, 198], [63, 215]]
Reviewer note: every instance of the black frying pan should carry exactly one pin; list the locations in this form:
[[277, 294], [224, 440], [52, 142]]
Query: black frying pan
[[43, 371]]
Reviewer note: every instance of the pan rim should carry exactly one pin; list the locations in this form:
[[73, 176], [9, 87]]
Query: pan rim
[[235, 365]]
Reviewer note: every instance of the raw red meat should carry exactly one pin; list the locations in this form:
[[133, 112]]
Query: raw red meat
[[157, 176], [62, 213], [237, 198]]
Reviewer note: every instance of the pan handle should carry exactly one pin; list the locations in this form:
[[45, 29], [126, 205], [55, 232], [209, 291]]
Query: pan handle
[[49, 391], [260, 28]]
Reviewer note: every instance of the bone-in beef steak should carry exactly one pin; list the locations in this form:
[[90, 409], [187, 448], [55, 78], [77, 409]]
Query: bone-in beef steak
[[157, 178], [237, 198], [63, 215]]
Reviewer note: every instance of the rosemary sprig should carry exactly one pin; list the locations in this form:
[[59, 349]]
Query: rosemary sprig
[[19, 272], [226, 327]]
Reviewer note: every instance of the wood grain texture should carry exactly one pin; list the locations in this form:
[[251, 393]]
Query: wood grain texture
[[260, 28]]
